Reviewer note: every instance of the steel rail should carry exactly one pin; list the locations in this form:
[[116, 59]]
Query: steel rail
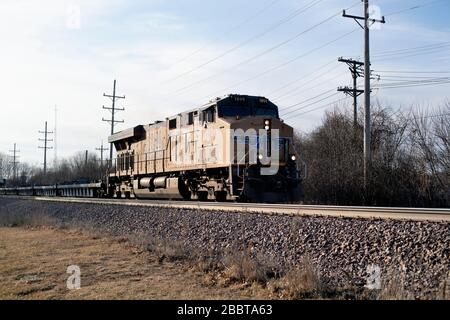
[[414, 214]]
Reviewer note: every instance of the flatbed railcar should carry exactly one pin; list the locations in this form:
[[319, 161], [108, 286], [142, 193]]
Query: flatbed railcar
[[90, 190]]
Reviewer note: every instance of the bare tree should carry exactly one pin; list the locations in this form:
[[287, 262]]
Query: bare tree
[[410, 159]]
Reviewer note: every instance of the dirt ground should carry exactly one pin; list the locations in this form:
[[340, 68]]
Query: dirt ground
[[34, 262]]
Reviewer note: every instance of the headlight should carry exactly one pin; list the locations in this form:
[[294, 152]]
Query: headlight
[[293, 157], [260, 157]]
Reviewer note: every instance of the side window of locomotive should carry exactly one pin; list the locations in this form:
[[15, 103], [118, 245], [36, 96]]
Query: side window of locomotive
[[173, 124], [209, 115], [190, 118]]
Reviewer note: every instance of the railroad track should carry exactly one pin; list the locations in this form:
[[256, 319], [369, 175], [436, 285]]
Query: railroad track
[[415, 214]]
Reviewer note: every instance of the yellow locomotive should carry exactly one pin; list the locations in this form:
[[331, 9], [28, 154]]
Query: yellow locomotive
[[233, 148]]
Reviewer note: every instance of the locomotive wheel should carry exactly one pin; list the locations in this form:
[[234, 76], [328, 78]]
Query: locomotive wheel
[[221, 196], [202, 195]]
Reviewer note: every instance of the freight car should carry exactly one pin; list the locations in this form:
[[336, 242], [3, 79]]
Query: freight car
[[81, 190], [233, 148]]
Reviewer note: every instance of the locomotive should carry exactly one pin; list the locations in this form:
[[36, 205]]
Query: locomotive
[[232, 148]]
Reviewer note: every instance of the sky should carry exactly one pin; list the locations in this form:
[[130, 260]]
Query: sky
[[170, 56]]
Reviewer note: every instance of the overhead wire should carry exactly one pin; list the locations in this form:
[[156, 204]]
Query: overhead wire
[[285, 63], [248, 40], [236, 27], [246, 61]]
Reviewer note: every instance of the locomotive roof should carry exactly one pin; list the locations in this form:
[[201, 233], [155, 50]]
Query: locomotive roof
[[213, 102], [137, 131]]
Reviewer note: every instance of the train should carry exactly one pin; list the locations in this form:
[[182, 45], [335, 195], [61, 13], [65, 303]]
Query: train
[[233, 148]]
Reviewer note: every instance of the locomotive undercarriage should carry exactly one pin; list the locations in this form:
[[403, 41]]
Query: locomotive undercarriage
[[243, 184]]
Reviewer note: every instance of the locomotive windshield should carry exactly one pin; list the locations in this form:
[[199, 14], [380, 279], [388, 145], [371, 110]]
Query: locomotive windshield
[[246, 107]]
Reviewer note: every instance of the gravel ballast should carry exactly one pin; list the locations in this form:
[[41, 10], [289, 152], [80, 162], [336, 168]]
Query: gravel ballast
[[342, 248]]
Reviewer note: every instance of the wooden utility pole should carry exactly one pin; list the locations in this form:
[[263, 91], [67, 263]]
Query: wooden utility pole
[[356, 71], [101, 149], [367, 116], [45, 147], [113, 110]]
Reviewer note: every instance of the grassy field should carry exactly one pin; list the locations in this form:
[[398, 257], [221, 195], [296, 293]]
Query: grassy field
[[34, 261]]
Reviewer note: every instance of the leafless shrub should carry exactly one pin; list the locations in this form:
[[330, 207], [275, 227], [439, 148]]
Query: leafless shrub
[[444, 289], [207, 263], [164, 249], [241, 266], [393, 288], [301, 282]]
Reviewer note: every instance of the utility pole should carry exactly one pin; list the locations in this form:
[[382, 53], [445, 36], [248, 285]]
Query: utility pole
[[356, 71], [45, 147], [113, 110], [86, 158], [101, 149], [15, 162], [366, 26]]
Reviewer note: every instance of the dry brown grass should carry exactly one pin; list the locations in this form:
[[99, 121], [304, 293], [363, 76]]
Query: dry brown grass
[[301, 282], [444, 292], [165, 250], [34, 263], [393, 288], [241, 266]]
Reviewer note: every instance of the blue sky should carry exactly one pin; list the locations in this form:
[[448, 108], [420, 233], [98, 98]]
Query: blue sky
[[53, 56]]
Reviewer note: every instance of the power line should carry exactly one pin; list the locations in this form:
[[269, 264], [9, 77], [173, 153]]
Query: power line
[[245, 62], [410, 77], [284, 63], [410, 71], [393, 86], [429, 80], [241, 44], [236, 27], [318, 108], [310, 104], [402, 56], [113, 110], [405, 50], [301, 102], [295, 90], [410, 49], [412, 8], [302, 77]]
